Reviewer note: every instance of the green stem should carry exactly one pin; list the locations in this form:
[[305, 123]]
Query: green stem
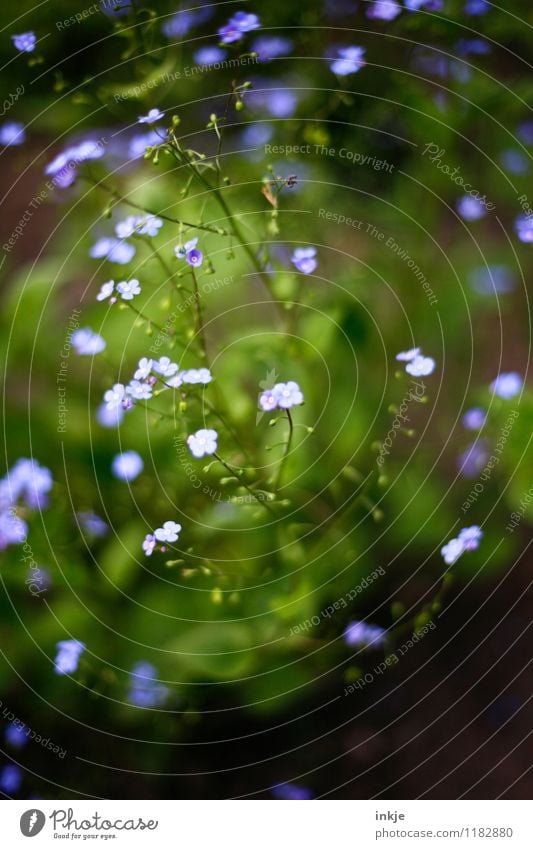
[[199, 317], [245, 485], [286, 452]]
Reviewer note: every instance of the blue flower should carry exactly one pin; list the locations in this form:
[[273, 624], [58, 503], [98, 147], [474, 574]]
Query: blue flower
[[196, 375], [87, 342], [452, 551], [15, 736], [181, 251], [165, 366], [475, 418], [470, 537], [154, 115], [421, 366], [271, 46], [106, 291], [473, 460], [12, 133], [202, 443], [25, 42], [431, 5], [194, 258], [139, 390], [149, 544], [114, 250], [304, 259], [524, 228], [507, 385], [143, 369], [169, 532], [515, 161], [139, 142], [127, 289], [182, 22], [349, 61], [10, 779], [282, 396], [291, 792], [127, 466], [64, 168], [492, 279], [470, 208], [365, 636], [114, 397], [13, 529], [384, 10], [237, 26], [145, 690], [110, 416], [142, 225], [93, 524], [31, 482], [209, 55], [68, 656], [274, 97], [477, 7]]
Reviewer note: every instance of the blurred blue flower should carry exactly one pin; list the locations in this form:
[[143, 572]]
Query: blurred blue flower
[[273, 97], [304, 259], [525, 132], [494, 279], [507, 385], [13, 529], [182, 22], [473, 46], [138, 143], [361, 635], [29, 481], [475, 418], [515, 161], [430, 5], [127, 466], [383, 10], [25, 42], [237, 26], [12, 133], [153, 116], [114, 250], [271, 46], [10, 779], [109, 416], [472, 461], [86, 342], [15, 736], [349, 60], [257, 134], [92, 524], [291, 792], [470, 537], [471, 208], [476, 7], [145, 691], [68, 656], [524, 228], [209, 55]]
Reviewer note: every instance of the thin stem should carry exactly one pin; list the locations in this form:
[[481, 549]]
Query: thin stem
[[245, 485], [286, 452], [199, 316]]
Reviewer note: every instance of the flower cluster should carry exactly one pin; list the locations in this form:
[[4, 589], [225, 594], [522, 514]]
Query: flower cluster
[[68, 656], [26, 482], [127, 289], [140, 225], [468, 540], [417, 364], [147, 374], [361, 635], [282, 396], [349, 60], [168, 532], [190, 253]]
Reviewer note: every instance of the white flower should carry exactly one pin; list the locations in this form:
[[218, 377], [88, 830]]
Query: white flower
[[128, 289], [406, 356], [165, 366], [470, 537], [138, 390], [420, 366], [113, 397], [268, 400], [452, 551], [106, 291], [153, 116], [144, 368], [196, 375], [202, 442], [168, 533], [181, 251], [87, 342]]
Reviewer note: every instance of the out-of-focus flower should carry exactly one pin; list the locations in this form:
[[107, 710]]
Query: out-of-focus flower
[[475, 418], [141, 225], [203, 442], [127, 466], [494, 279], [68, 656], [92, 524], [113, 397], [470, 208], [87, 342], [154, 115], [272, 96], [64, 167], [472, 46], [271, 47], [209, 55], [13, 529], [507, 385], [524, 228], [29, 481], [473, 460], [384, 10], [106, 290], [127, 289], [430, 5], [476, 7], [524, 132], [145, 691], [420, 366], [291, 792], [149, 544], [169, 532], [114, 250], [140, 141], [362, 635], [110, 416], [15, 736], [10, 779], [182, 22], [515, 161], [304, 259], [239, 24], [25, 42], [407, 356], [12, 133], [470, 537], [452, 551], [196, 375], [349, 60], [143, 369]]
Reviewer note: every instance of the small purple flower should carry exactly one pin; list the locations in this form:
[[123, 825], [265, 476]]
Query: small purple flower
[[291, 792], [384, 10], [304, 259], [420, 366], [149, 544], [491, 280], [87, 342], [12, 133], [507, 385], [10, 779], [515, 161], [365, 636], [143, 369], [475, 418], [349, 60], [113, 397], [524, 228], [138, 390], [169, 532], [140, 141], [154, 115], [470, 537], [13, 529], [25, 42], [407, 356], [68, 656], [110, 416], [237, 26], [181, 251], [195, 258], [31, 482], [165, 366], [203, 442], [114, 250], [15, 736], [145, 691], [127, 289], [127, 466], [93, 525], [471, 208], [431, 5], [268, 400], [288, 394]]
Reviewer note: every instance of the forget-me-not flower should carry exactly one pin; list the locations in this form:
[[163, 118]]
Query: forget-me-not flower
[[203, 442]]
